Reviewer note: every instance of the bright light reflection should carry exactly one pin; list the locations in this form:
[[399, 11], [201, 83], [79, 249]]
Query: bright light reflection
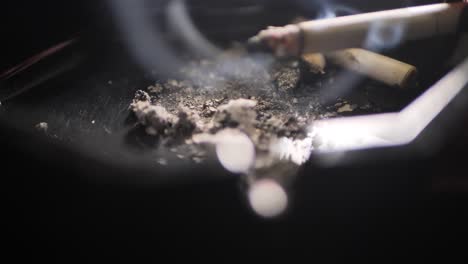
[[235, 151], [379, 130], [427, 9], [267, 198]]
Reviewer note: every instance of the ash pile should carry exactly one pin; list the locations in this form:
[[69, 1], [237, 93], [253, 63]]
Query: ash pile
[[246, 107]]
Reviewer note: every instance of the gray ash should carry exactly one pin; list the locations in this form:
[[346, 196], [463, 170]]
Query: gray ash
[[263, 98], [287, 74]]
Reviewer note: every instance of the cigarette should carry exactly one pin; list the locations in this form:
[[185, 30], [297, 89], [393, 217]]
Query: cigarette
[[378, 67], [316, 62], [353, 31]]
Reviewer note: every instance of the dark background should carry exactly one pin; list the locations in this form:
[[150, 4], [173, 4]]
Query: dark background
[[388, 209]]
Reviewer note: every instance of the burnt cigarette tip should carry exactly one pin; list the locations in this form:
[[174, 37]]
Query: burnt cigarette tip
[[411, 78]]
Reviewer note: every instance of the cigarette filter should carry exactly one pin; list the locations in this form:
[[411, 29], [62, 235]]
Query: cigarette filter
[[378, 67]]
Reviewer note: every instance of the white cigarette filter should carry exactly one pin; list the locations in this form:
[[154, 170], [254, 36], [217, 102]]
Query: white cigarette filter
[[378, 67], [380, 28], [370, 30]]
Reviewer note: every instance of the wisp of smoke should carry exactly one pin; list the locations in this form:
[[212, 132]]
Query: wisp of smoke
[[382, 36], [143, 38], [181, 24], [330, 10], [249, 71]]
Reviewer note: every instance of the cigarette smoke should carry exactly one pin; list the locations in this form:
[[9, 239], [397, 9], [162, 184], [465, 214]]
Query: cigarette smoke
[[150, 49], [382, 36], [328, 9], [220, 67], [250, 72], [143, 38], [180, 23]]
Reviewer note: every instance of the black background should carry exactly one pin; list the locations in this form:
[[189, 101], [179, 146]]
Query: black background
[[382, 211]]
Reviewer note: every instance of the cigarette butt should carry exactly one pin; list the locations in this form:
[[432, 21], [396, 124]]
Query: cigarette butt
[[315, 61], [419, 22], [378, 67], [375, 30]]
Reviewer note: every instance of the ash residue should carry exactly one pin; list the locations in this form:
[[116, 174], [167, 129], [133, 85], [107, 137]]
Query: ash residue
[[261, 97], [287, 74]]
